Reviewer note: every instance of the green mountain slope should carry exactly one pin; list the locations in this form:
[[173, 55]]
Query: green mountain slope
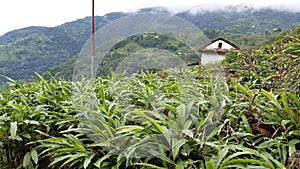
[[40, 49], [134, 52], [37, 49]]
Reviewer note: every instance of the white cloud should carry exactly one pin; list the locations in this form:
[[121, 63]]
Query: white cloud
[[16, 14]]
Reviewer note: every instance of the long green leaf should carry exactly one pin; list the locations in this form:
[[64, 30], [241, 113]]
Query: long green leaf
[[246, 124], [26, 159], [74, 157], [272, 98], [295, 99], [60, 158], [245, 90], [247, 161], [34, 156], [158, 127], [88, 160], [13, 129], [43, 80], [288, 109], [176, 145], [148, 165], [222, 154], [100, 161]]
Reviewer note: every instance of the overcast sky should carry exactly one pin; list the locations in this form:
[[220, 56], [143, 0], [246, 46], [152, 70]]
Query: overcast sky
[[16, 14]]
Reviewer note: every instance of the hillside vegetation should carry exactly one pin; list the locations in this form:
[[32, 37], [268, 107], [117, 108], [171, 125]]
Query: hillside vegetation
[[272, 67], [243, 113], [39, 49], [133, 48]]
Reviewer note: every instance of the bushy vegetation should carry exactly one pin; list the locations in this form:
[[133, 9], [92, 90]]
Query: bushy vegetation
[[274, 67], [40, 49], [174, 118]]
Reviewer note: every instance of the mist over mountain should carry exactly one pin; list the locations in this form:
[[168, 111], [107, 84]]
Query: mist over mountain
[[244, 22], [39, 49], [240, 7]]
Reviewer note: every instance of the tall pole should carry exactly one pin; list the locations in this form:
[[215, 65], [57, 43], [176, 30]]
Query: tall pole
[[93, 38]]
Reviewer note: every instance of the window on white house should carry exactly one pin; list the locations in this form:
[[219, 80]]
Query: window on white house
[[220, 45]]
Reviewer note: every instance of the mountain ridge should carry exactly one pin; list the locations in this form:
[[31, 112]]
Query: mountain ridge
[[39, 49]]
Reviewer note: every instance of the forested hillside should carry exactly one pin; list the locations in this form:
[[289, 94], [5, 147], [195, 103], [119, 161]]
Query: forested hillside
[[131, 46], [247, 21], [39, 49], [141, 42], [241, 113]]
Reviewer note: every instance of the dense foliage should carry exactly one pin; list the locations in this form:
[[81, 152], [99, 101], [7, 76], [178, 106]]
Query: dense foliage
[[39, 49], [245, 115], [273, 67]]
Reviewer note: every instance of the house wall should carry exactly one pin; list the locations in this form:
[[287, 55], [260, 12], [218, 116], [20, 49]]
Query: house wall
[[215, 45], [207, 58]]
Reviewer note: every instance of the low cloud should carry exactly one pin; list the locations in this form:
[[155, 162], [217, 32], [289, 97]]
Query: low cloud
[[238, 7]]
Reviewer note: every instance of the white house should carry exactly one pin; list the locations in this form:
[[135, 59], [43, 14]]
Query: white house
[[215, 50]]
